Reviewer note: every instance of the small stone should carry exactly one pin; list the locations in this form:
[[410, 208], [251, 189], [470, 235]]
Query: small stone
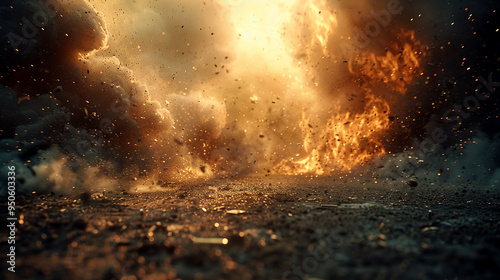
[[412, 182]]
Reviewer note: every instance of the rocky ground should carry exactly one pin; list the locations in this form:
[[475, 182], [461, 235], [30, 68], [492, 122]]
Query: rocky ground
[[262, 228]]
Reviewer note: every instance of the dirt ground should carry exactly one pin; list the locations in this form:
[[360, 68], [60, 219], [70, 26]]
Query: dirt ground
[[262, 228]]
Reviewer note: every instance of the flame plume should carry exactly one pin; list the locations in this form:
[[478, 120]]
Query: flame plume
[[351, 139], [396, 69], [324, 22], [347, 141]]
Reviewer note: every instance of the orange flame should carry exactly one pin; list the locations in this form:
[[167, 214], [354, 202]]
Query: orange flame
[[396, 69], [324, 22], [349, 140]]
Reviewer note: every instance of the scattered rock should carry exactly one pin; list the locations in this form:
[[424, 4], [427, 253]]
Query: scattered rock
[[412, 182]]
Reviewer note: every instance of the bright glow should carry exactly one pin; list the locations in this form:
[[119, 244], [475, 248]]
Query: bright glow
[[244, 81]]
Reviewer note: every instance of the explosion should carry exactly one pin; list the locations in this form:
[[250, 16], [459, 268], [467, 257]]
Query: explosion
[[175, 90]]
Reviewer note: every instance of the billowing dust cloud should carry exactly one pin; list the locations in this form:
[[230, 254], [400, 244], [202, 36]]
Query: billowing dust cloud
[[121, 93]]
